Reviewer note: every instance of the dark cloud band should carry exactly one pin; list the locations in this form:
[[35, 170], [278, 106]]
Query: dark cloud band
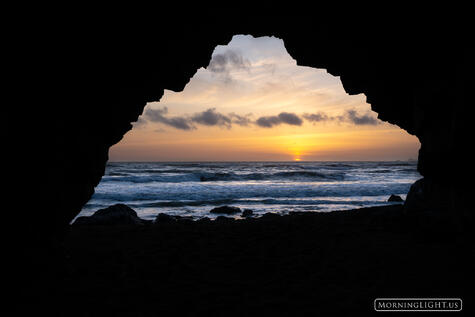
[[360, 119], [283, 117], [211, 117], [158, 115], [350, 116]]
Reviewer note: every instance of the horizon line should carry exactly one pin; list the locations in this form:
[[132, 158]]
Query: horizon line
[[263, 161]]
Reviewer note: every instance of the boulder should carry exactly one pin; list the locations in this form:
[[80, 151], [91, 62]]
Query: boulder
[[164, 218], [247, 213], [228, 210], [224, 219], [416, 200], [184, 219], [395, 198], [118, 214], [204, 220], [270, 216]]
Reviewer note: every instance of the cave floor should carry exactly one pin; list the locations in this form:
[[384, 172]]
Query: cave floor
[[329, 263]]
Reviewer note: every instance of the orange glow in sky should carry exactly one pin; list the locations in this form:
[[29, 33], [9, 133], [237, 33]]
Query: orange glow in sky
[[253, 103]]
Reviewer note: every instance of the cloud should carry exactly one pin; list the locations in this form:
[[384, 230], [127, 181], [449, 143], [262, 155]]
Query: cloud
[[158, 115], [349, 116], [243, 121], [352, 116], [268, 122], [230, 59], [140, 123], [317, 117], [211, 118], [290, 118], [283, 117], [223, 63]]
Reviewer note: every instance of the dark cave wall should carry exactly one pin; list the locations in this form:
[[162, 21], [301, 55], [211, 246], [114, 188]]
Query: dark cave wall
[[103, 75]]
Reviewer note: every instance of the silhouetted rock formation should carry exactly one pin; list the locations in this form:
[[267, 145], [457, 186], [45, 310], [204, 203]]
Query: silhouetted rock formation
[[247, 213], [82, 80], [162, 218], [225, 210], [118, 214], [415, 200], [270, 216], [414, 74], [224, 219], [204, 220], [322, 264], [395, 198]]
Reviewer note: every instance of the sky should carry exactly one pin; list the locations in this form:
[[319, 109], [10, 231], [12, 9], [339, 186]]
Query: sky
[[254, 103]]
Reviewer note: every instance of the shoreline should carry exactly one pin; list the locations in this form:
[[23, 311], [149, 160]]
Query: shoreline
[[238, 215]]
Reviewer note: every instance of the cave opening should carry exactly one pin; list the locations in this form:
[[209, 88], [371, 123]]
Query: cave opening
[[90, 81], [257, 131]]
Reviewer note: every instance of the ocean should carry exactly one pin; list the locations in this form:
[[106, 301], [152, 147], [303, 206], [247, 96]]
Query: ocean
[[193, 189]]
